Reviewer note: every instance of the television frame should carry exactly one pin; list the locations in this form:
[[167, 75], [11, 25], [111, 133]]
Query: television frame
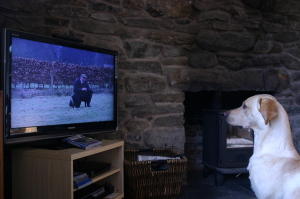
[[56, 130]]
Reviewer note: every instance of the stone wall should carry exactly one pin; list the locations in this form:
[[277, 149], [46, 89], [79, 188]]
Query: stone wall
[[173, 46]]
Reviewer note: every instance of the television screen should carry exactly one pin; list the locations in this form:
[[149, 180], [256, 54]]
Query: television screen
[[54, 87]]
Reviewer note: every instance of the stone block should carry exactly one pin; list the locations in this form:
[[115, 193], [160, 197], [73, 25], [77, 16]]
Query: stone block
[[264, 60], [102, 7], [133, 100], [143, 111], [148, 23], [151, 110], [57, 21], [232, 63], [69, 11], [203, 5], [133, 4], [171, 137], [210, 40], [169, 108], [137, 125], [203, 59], [93, 26], [171, 38], [213, 15], [248, 79], [169, 8], [263, 45], [144, 83], [179, 61], [290, 61], [175, 52], [134, 137], [287, 6], [142, 66], [286, 37], [138, 49], [172, 120], [168, 97], [106, 17], [219, 25]]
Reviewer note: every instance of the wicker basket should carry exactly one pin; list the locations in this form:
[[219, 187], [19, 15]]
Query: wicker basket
[[142, 182]]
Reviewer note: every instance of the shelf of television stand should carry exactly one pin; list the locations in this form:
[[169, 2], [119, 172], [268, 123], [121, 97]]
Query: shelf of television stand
[[48, 174], [104, 175]]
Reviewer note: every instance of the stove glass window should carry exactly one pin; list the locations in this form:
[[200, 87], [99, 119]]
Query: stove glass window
[[237, 138]]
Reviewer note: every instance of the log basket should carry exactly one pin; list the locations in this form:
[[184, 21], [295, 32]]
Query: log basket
[[143, 182]]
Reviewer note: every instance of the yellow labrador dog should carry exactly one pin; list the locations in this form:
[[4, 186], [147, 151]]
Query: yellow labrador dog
[[274, 167]]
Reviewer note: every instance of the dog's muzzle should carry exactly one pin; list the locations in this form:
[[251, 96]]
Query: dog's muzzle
[[226, 114]]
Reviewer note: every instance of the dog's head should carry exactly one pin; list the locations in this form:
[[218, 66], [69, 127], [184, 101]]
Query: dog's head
[[256, 112]]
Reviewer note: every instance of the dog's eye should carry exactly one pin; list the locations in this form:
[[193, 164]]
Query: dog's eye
[[244, 106]]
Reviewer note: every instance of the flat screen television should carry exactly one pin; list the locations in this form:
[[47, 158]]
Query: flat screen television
[[41, 100]]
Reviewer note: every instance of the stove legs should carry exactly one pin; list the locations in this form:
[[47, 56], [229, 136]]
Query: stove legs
[[206, 172], [219, 177], [220, 172]]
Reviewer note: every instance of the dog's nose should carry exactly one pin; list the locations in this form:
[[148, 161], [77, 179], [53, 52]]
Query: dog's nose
[[226, 113]]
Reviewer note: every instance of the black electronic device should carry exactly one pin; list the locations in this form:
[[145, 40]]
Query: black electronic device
[[37, 76], [94, 191], [92, 168]]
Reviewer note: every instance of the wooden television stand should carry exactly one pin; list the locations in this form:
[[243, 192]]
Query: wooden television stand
[[48, 174]]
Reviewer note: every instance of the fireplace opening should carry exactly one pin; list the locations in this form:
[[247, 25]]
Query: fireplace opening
[[211, 143]]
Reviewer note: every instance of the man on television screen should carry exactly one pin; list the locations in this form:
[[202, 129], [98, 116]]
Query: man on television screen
[[82, 91]]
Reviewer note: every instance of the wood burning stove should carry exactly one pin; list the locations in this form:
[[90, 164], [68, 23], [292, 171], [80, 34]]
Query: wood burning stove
[[226, 149]]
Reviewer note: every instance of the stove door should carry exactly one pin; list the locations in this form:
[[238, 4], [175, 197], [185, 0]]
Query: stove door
[[236, 145]]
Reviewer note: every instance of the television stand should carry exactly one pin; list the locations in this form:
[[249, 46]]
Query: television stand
[[47, 174]]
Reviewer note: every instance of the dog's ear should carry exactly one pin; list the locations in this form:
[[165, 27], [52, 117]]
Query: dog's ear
[[268, 109]]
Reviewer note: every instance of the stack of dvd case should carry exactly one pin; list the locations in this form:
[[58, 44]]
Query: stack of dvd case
[[82, 141], [80, 180]]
